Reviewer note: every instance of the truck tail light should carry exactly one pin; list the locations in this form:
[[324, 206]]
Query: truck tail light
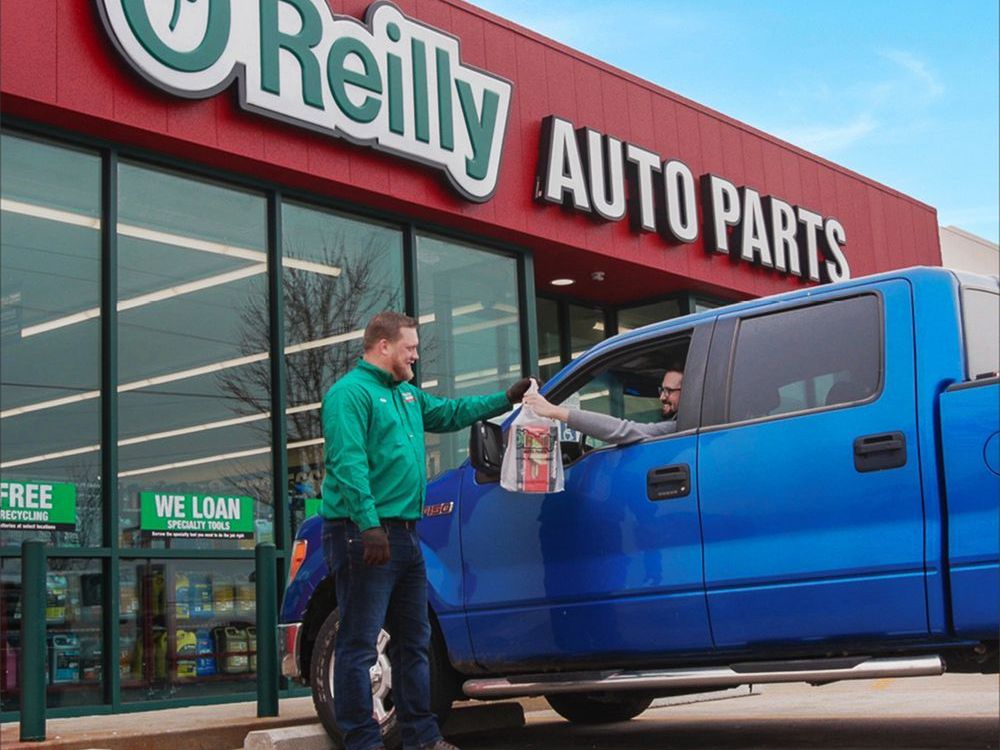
[[298, 557]]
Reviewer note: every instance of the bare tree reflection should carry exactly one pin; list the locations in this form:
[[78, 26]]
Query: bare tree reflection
[[317, 307]]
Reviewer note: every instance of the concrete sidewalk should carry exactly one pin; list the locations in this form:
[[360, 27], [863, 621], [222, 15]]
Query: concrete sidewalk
[[221, 727], [226, 726], [215, 727]]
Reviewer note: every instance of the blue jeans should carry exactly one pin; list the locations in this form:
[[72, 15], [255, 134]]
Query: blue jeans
[[368, 596]]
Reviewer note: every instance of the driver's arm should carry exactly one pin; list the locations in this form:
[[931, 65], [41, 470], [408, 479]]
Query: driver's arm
[[613, 430]]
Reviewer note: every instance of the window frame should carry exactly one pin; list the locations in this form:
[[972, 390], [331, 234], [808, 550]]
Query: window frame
[[722, 360], [964, 321], [698, 335]]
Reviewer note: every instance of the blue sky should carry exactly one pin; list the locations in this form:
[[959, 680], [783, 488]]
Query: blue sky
[[906, 92]]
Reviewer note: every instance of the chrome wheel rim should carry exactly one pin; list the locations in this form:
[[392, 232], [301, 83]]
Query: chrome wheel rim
[[380, 675]]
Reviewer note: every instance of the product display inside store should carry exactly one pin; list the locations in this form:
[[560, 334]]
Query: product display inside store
[[185, 628]]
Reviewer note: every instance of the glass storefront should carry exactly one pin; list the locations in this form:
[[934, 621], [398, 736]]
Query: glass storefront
[[470, 330], [549, 339], [187, 629], [636, 317], [193, 348], [50, 296], [338, 271], [192, 426], [74, 665]]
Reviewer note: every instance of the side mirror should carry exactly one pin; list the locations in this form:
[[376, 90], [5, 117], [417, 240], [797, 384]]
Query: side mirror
[[486, 450]]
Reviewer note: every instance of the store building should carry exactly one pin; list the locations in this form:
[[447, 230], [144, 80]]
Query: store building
[[964, 251], [200, 211]]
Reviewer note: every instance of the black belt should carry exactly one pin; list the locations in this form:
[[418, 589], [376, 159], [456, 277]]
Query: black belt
[[386, 522], [411, 525]]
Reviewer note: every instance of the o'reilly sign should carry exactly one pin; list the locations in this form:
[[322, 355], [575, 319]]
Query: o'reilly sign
[[588, 171], [391, 83]]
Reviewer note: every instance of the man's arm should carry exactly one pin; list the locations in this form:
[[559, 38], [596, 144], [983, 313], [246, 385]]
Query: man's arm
[[345, 427], [450, 414], [614, 430]]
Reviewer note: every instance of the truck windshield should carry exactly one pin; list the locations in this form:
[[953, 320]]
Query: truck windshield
[[981, 320]]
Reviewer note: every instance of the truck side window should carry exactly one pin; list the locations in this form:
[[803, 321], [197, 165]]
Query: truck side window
[[625, 386], [981, 321], [806, 358]]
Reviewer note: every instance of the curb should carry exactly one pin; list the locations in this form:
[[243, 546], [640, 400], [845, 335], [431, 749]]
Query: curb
[[461, 721]]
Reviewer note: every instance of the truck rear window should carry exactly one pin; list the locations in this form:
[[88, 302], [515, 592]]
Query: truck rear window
[[981, 320]]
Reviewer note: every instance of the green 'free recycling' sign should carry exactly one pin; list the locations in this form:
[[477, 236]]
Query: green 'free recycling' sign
[[37, 506], [168, 514]]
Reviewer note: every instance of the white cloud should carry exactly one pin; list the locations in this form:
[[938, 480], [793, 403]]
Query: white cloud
[[916, 67], [828, 139]]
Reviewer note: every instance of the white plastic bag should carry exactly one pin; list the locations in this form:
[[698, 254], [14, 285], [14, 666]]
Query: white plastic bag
[[532, 461]]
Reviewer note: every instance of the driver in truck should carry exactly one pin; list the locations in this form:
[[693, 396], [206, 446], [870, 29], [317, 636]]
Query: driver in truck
[[611, 429]]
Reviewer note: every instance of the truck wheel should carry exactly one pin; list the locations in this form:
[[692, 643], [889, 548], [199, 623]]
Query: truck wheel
[[384, 710], [598, 708]]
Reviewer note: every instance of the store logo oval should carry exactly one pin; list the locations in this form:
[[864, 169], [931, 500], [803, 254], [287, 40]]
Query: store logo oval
[[390, 83]]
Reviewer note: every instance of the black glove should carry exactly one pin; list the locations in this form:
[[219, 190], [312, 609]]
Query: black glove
[[516, 392], [376, 546]]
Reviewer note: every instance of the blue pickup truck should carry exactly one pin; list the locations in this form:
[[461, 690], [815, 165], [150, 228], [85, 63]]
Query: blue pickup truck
[[827, 509]]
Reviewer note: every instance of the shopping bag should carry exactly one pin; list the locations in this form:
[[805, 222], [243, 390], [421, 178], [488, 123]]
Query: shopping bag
[[532, 461]]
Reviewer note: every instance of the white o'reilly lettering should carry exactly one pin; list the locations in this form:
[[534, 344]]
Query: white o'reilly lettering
[[681, 220], [562, 180], [752, 243], [581, 169], [605, 166], [781, 228], [641, 165], [391, 83], [722, 210], [835, 267], [809, 225]]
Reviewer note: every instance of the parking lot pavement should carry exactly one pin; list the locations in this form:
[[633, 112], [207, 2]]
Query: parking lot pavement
[[935, 713]]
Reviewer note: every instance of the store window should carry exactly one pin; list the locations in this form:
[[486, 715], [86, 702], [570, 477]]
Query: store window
[[549, 349], [194, 379], [781, 366], [636, 317], [50, 346], [470, 323], [338, 272], [701, 304], [73, 633], [187, 629], [586, 328]]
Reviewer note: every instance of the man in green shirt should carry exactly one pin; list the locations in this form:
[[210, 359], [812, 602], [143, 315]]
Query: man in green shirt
[[373, 494]]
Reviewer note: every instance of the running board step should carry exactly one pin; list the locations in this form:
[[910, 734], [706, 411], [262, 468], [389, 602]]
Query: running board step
[[809, 670]]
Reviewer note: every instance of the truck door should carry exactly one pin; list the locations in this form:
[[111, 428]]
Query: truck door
[[809, 486], [600, 571]]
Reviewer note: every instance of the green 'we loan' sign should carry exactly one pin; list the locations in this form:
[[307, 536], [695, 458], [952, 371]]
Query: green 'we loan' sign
[[37, 506], [167, 514]]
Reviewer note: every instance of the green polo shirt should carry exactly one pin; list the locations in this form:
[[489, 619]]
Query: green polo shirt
[[374, 428]]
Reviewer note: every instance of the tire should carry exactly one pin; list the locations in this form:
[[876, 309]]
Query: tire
[[321, 682], [599, 708]]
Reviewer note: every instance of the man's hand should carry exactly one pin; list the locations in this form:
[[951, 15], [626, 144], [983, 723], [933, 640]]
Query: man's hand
[[540, 405], [376, 544], [516, 392]]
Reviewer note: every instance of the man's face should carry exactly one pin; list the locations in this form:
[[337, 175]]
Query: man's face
[[402, 353], [670, 393]]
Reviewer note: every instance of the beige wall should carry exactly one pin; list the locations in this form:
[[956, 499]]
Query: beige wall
[[967, 252]]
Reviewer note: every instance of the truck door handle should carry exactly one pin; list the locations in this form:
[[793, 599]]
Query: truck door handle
[[886, 450], [668, 482]]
